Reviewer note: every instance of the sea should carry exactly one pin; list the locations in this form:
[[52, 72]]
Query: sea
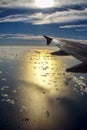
[[36, 92]]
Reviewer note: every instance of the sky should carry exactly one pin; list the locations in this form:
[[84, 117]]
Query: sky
[[26, 21]]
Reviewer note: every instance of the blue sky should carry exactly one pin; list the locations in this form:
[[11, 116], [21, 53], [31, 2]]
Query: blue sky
[[25, 21]]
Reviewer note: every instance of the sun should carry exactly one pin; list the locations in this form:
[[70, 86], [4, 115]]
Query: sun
[[44, 3]]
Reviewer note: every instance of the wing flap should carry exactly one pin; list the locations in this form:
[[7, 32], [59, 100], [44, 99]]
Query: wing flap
[[80, 68], [60, 53]]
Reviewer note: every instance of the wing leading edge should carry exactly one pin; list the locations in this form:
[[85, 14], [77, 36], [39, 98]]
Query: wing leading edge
[[76, 49]]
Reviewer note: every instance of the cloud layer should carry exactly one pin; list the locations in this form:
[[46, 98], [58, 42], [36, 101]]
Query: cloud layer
[[21, 36], [31, 3], [64, 15], [74, 26], [41, 18]]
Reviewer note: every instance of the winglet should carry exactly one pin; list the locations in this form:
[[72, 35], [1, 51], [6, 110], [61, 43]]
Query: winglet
[[48, 40]]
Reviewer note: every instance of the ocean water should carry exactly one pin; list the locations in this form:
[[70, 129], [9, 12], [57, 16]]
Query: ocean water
[[36, 92]]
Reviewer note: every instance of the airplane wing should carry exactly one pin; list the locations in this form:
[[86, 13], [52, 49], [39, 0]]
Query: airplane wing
[[76, 49]]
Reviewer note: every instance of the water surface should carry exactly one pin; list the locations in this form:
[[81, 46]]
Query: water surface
[[36, 92]]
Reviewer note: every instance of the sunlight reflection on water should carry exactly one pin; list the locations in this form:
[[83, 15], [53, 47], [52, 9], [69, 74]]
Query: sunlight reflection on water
[[36, 93]]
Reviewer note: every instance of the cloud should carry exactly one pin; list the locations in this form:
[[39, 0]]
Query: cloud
[[59, 17], [1, 11], [63, 2], [21, 36], [81, 30], [17, 3], [31, 3], [15, 18], [40, 18], [73, 26]]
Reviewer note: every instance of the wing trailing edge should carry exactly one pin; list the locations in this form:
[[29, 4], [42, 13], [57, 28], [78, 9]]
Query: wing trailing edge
[[60, 53], [80, 68]]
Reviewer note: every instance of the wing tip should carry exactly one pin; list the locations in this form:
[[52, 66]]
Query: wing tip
[[48, 39]]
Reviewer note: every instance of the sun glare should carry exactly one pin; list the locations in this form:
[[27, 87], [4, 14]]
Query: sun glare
[[44, 3]]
